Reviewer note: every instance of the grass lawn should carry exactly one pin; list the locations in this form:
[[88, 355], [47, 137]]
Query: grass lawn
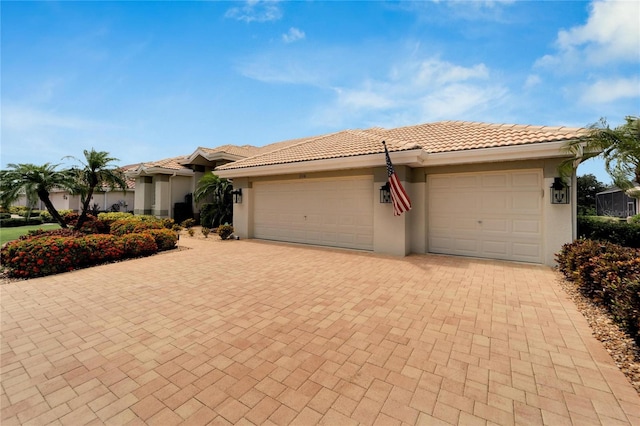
[[12, 233]]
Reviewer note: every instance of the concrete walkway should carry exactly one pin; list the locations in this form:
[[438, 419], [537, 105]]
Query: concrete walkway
[[250, 332]]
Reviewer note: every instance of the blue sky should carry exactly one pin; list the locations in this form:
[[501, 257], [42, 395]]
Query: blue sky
[[151, 80]]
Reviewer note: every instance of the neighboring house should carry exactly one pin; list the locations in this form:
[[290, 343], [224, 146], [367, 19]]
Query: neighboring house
[[617, 203], [105, 199], [477, 189]]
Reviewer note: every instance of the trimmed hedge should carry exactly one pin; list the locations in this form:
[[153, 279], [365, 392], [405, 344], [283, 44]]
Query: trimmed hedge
[[40, 256], [166, 239], [609, 274], [41, 253], [622, 233], [20, 221], [129, 226]]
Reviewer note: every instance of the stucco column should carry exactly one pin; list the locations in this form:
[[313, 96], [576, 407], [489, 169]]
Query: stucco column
[[143, 195], [243, 212], [391, 233], [162, 205], [558, 219]]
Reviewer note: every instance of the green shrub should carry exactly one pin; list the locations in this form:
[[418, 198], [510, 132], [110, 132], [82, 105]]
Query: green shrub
[[609, 274], [20, 221], [635, 219], [622, 233], [47, 218], [205, 231], [188, 223], [166, 239], [139, 244], [5, 215], [109, 218], [134, 225], [225, 231]]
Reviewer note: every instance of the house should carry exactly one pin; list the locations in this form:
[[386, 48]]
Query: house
[[477, 189], [617, 203], [163, 188], [103, 198]]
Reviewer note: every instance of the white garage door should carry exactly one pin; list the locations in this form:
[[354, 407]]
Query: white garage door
[[329, 212], [495, 215]]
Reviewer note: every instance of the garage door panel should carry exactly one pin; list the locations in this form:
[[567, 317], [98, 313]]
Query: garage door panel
[[492, 214], [527, 227], [333, 212], [494, 181]]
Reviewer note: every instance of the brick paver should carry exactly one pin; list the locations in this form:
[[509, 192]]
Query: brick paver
[[252, 332]]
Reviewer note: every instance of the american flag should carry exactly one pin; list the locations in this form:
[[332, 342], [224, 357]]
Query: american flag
[[399, 197]]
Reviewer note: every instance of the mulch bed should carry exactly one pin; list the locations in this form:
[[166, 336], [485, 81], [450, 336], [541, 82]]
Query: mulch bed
[[622, 348]]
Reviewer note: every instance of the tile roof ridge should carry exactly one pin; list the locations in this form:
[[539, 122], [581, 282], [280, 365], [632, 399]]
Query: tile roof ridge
[[302, 142]]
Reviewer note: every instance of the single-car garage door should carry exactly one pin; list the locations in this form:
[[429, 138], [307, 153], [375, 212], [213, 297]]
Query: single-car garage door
[[328, 212], [495, 215]]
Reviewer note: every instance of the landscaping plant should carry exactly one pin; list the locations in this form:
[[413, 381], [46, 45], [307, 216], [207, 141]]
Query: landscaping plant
[[609, 274]]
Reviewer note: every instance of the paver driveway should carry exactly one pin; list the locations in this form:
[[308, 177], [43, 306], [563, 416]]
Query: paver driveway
[[251, 332]]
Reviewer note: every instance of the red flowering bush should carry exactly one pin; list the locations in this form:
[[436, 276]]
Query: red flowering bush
[[166, 239], [41, 253], [139, 244], [47, 255]]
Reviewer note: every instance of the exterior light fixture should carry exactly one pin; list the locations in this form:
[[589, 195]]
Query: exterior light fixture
[[64, 197], [385, 194], [237, 196], [559, 192]]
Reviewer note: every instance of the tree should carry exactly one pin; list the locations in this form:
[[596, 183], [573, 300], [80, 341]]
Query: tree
[[97, 171], [587, 187], [619, 147], [36, 182], [219, 190]]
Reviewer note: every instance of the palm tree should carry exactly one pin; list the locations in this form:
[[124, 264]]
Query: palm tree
[[210, 185], [35, 182], [97, 172], [619, 147]]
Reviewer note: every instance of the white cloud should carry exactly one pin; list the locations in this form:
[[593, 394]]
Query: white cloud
[[532, 81], [611, 34], [256, 11], [417, 91], [292, 35], [610, 90]]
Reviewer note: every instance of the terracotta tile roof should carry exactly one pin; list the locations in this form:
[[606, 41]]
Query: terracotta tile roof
[[240, 151], [445, 136], [167, 163], [346, 143]]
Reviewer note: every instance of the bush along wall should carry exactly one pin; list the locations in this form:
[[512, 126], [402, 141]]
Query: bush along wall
[[609, 274], [42, 253], [622, 233]]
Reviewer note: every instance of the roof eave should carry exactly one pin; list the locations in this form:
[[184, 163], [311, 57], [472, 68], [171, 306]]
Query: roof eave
[[496, 154]]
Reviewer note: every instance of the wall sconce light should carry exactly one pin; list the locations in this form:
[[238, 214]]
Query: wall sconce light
[[385, 193], [237, 196], [64, 197], [559, 192]]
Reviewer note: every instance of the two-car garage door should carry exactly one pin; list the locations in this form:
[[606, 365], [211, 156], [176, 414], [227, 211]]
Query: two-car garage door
[[328, 212], [495, 215]]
